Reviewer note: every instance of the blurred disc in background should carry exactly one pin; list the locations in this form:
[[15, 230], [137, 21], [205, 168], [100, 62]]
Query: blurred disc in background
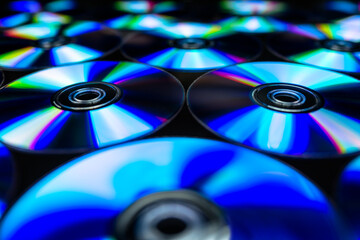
[[331, 46], [173, 188], [191, 47], [41, 45]]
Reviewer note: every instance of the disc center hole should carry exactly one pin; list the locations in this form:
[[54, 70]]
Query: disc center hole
[[171, 226], [286, 97], [91, 95], [340, 45], [87, 95], [51, 42], [190, 43]]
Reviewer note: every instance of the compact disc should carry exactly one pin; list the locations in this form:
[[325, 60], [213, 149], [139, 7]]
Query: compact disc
[[254, 24], [331, 46], [349, 194], [41, 45], [191, 47], [282, 108], [16, 13], [173, 188], [87, 106], [253, 7]]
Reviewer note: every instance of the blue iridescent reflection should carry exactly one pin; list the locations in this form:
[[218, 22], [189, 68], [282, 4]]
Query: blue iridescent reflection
[[6, 177], [260, 196], [349, 194]]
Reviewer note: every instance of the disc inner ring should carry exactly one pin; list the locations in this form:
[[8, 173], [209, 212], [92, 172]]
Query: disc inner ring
[[284, 97], [340, 45], [89, 95], [170, 215], [86, 96], [52, 42], [190, 43]]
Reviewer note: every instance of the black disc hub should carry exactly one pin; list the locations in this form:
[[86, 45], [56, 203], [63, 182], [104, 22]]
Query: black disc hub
[[52, 42], [179, 215], [285, 97], [190, 43], [340, 45], [86, 96]]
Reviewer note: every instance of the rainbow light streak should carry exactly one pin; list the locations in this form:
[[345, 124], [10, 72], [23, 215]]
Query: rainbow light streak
[[241, 79], [141, 7], [120, 22], [26, 130], [147, 22], [25, 6], [60, 6], [256, 24], [15, 20], [262, 73], [20, 58], [307, 30], [126, 71], [304, 75], [52, 79], [189, 59], [246, 72], [253, 7], [71, 53], [49, 131], [343, 132], [48, 17], [33, 31], [192, 30], [326, 31], [339, 32], [113, 124], [344, 61], [82, 27]]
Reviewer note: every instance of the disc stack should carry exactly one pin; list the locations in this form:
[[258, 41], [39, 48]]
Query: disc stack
[[153, 120]]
